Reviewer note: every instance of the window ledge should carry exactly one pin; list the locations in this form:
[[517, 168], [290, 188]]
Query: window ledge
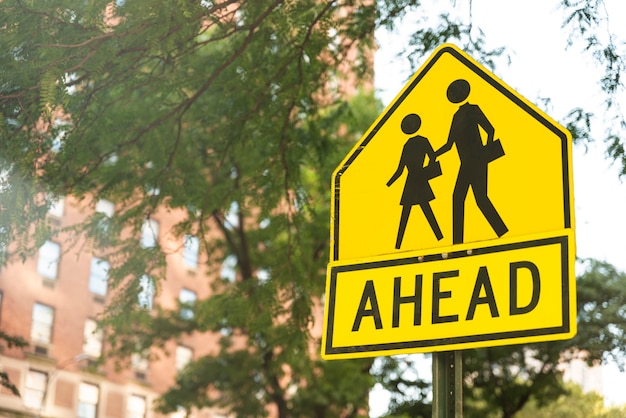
[[40, 352], [51, 283]]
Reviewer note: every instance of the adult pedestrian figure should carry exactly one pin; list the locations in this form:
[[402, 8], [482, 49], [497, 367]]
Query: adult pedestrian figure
[[474, 156], [417, 190]]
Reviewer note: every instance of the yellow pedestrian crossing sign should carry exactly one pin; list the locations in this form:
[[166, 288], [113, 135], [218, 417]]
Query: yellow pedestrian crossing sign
[[460, 195]]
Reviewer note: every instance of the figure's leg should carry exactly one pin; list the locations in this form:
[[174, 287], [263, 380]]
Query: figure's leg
[[458, 207], [404, 218], [487, 208], [432, 221]]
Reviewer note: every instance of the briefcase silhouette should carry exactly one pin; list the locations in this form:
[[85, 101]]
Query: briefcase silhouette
[[493, 150]]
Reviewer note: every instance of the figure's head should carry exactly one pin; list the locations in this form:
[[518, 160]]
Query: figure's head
[[458, 91], [411, 123]]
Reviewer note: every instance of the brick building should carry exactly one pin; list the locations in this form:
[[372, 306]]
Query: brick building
[[53, 300]]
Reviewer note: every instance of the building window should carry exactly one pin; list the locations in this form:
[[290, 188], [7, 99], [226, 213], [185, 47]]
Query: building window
[[187, 299], [107, 208], [145, 298], [43, 318], [92, 343], [136, 407], [48, 260], [191, 248], [180, 412], [140, 361], [149, 233], [99, 276], [35, 388], [88, 400], [183, 356], [57, 206]]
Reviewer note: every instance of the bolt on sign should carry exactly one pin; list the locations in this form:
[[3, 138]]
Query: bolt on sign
[[453, 221]]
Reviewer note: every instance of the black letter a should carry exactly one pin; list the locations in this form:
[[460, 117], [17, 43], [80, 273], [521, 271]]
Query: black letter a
[[482, 282], [368, 294]]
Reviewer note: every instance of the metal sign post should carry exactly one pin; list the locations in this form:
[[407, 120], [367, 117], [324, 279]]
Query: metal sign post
[[447, 384]]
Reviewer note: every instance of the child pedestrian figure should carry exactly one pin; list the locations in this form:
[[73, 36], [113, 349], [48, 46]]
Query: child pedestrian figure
[[417, 190]]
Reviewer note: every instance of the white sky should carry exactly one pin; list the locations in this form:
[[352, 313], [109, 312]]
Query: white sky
[[540, 68]]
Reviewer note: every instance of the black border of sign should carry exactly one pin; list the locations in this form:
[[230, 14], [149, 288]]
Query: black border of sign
[[498, 86], [407, 345]]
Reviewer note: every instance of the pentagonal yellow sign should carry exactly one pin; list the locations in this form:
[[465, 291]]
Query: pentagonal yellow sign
[[458, 162], [457, 157]]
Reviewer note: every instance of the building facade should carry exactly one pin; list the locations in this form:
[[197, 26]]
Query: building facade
[[53, 300]]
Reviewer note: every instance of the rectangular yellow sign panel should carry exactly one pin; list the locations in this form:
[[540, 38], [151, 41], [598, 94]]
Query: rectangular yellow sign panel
[[510, 293]]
